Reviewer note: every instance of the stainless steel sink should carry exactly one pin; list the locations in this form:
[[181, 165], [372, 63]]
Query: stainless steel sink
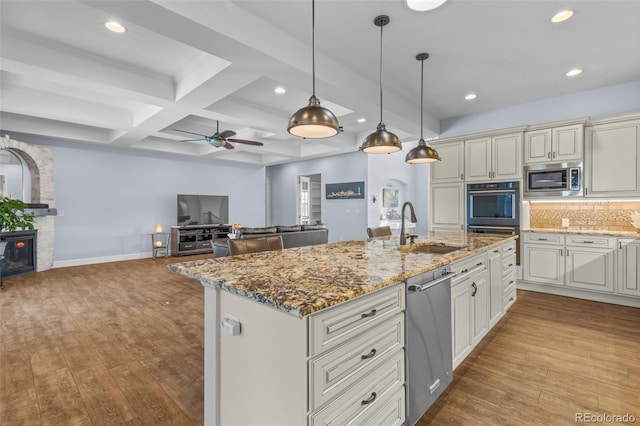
[[430, 248]]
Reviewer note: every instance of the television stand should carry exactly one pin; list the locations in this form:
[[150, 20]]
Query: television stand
[[196, 239]]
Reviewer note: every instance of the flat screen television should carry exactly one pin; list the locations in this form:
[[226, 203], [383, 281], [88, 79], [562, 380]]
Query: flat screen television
[[203, 209]]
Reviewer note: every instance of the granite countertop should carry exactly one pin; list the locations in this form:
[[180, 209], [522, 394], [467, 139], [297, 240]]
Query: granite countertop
[[304, 280], [582, 231]]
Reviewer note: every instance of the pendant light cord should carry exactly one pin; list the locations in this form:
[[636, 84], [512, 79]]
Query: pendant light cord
[[381, 28], [421, 99], [313, 44]]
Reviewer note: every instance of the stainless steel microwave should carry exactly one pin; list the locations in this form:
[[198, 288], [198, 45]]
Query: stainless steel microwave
[[553, 180]]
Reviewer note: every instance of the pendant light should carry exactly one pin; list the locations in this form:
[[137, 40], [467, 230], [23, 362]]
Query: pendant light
[[313, 121], [422, 153], [381, 141]]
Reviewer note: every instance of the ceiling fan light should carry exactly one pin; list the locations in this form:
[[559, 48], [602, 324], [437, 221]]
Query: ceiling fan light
[[313, 121], [381, 142], [423, 153]]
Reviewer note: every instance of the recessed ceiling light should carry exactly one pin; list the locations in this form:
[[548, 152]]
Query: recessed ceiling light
[[574, 72], [423, 5], [280, 90], [562, 16], [115, 27], [471, 96], [361, 120]]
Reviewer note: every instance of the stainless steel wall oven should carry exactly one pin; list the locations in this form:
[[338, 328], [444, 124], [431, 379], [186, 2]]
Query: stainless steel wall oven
[[494, 208]]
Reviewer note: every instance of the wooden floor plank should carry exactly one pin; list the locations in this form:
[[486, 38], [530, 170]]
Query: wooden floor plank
[[96, 345]]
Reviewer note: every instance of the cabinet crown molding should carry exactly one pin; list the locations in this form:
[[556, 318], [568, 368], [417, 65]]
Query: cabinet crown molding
[[560, 123]]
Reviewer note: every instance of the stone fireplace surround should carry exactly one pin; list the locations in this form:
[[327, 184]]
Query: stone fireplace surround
[[39, 160]]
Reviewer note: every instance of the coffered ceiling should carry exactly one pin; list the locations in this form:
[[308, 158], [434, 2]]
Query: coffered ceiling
[[186, 64]]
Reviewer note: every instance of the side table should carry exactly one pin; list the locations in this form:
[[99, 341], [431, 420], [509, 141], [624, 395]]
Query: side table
[[161, 241]]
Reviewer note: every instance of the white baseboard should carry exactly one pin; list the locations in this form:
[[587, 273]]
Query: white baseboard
[[580, 294], [103, 259]]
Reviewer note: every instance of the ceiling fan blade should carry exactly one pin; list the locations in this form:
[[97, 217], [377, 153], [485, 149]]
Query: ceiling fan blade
[[194, 140], [246, 142], [191, 133], [228, 145], [227, 134]]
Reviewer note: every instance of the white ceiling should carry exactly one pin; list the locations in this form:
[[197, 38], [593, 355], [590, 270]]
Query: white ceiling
[[185, 64]]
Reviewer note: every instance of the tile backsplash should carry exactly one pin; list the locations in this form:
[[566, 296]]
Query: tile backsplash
[[597, 215]]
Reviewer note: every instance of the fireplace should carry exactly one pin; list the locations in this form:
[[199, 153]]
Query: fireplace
[[20, 253]]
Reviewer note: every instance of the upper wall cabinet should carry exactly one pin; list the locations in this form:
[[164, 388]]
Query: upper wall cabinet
[[612, 159], [494, 158], [451, 168], [554, 145]]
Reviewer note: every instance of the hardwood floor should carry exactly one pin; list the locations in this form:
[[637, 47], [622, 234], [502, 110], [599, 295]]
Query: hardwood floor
[[97, 345]]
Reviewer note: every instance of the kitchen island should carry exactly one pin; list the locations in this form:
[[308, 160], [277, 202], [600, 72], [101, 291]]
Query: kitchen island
[[274, 321]]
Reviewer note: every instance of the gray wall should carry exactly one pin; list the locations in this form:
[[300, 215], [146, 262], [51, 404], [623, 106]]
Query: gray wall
[[606, 101], [109, 198], [346, 219]]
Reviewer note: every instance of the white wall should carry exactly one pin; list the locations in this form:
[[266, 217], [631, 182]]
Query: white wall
[[606, 101], [346, 219]]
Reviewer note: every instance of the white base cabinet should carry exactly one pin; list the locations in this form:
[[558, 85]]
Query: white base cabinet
[[628, 271], [343, 365]]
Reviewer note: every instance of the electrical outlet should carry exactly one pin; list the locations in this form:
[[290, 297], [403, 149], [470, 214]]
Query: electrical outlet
[[565, 222]]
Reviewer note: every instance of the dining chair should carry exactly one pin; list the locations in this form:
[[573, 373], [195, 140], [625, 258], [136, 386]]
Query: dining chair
[[381, 231]]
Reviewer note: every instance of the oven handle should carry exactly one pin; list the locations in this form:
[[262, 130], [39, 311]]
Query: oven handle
[[506, 228], [493, 191]]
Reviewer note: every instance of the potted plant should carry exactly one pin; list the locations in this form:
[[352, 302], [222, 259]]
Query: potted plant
[[13, 217]]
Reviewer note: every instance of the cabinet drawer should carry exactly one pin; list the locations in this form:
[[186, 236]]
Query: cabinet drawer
[[590, 241], [552, 239], [510, 247], [509, 285], [187, 246], [338, 324], [367, 397], [508, 263], [466, 267], [509, 299], [203, 244], [333, 372]]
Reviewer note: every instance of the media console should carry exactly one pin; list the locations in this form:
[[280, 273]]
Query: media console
[[196, 239]]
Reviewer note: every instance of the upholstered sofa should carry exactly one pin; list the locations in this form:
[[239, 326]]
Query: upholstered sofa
[[292, 236]]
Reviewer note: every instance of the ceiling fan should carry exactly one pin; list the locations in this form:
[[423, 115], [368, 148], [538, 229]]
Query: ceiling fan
[[219, 139]]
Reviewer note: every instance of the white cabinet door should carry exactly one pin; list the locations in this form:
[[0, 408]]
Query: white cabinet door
[[447, 207], [543, 264], [451, 167], [612, 159], [628, 267], [567, 143], [507, 156], [480, 299], [537, 146], [495, 285], [478, 159], [461, 320], [590, 269], [496, 157], [554, 145]]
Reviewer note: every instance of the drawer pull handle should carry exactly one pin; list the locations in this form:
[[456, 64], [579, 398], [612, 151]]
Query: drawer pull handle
[[511, 282], [511, 300], [542, 239], [475, 289], [511, 264], [479, 264], [587, 242], [370, 399], [369, 314], [369, 355], [464, 271], [496, 251]]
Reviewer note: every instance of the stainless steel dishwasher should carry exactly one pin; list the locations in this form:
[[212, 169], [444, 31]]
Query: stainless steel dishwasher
[[428, 340]]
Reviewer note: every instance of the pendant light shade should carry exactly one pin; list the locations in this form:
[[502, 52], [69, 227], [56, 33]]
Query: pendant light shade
[[381, 141], [313, 121], [423, 153]]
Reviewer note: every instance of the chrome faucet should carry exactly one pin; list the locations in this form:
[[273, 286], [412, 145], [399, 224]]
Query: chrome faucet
[[403, 236]]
